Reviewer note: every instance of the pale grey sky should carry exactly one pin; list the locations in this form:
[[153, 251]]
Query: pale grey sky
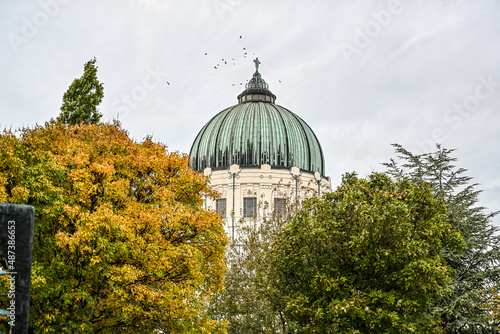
[[362, 74]]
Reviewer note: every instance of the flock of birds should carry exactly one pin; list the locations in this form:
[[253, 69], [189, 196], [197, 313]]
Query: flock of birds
[[232, 59], [226, 61]]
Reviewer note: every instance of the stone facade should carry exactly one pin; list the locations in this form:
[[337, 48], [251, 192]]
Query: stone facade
[[257, 192]]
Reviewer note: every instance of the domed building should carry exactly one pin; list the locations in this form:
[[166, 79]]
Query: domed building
[[256, 154]]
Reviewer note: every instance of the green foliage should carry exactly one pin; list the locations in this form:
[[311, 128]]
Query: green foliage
[[476, 267], [82, 98], [363, 259], [121, 244]]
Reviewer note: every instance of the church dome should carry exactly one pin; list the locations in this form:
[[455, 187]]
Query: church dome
[[254, 132]]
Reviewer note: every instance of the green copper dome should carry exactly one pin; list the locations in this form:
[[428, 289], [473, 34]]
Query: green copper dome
[[255, 132]]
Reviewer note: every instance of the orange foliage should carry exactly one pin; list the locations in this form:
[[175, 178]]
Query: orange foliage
[[493, 306], [122, 242]]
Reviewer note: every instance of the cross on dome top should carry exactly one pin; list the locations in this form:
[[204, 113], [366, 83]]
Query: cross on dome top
[[257, 63]]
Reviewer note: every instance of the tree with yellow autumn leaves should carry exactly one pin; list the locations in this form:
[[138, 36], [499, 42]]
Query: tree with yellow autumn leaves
[[122, 242], [492, 306]]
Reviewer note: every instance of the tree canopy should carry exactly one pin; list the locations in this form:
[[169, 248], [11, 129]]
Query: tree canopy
[[122, 243], [82, 98], [364, 259], [477, 266], [333, 267]]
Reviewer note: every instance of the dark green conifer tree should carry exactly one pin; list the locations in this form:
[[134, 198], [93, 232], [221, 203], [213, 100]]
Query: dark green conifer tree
[[477, 267]]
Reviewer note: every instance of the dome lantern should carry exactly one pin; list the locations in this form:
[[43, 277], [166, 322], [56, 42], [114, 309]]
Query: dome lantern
[[256, 89]]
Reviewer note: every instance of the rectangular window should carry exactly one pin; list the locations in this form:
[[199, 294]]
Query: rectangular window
[[221, 207], [279, 207], [249, 207]]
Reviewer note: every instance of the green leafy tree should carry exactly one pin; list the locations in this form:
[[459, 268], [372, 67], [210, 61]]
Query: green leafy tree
[[122, 243], [476, 267], [363, 259], [82, 98]]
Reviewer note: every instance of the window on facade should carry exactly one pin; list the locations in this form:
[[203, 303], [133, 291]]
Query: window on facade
[[249, 207], [221, 207], [279, 206]]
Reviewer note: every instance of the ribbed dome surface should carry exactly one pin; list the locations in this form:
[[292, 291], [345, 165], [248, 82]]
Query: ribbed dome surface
[[254, 133]]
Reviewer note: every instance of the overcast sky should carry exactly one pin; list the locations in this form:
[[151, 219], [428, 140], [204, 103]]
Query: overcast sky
[[362, 74]]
